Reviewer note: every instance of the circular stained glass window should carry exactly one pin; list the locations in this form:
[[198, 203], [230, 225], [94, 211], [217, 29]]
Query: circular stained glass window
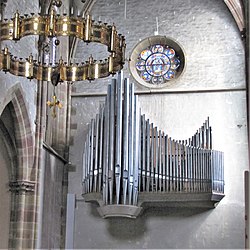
[[156, 61]]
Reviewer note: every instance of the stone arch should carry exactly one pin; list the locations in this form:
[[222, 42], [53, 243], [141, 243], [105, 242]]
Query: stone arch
[[7, 173], [19, 142], [8, 140], [236, 7], [24, 141]]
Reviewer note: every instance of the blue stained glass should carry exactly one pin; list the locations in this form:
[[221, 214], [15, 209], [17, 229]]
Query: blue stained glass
[[157, 64], [150, 70], [170, 52], [169, 75], [175, 63], [145, 54], [165, 58], [140, 65], [146, 76], [157, 48]]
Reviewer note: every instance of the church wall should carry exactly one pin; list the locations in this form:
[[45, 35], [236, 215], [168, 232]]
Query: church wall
[[5, 206], [21, 49], [25, 228], [215, 60], [51, 194], [24, 93], [205, 30]]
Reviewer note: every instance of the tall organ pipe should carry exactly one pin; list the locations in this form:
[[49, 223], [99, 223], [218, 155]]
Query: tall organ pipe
[[126, 156]]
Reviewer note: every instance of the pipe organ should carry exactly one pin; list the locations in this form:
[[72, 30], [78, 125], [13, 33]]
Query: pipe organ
[[128, 162]]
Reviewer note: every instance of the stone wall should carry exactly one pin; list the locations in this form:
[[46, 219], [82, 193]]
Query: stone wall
[[4, 194], [29, 114], [51, 197], [215, 61], [21, 49]]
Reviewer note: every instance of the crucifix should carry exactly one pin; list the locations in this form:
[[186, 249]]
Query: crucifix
[[55, 103]]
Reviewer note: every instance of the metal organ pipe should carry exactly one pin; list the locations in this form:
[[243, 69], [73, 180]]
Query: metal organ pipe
[[126, 158]]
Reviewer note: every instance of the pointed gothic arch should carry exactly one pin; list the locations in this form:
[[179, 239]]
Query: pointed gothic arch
[[8, 141], [7, 173], [19, 143], [24, 140]]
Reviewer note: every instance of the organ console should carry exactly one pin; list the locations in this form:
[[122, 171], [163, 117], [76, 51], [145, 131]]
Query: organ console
[[129, 162]]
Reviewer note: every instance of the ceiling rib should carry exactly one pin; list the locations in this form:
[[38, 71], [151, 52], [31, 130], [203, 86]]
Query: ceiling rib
[[85, 10], [237, 9]]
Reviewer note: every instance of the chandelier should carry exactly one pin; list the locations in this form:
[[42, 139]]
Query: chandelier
[[54, 25]]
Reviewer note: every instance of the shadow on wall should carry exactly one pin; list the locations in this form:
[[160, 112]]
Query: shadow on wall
[[158, 227], [173, 211], [129, 229]]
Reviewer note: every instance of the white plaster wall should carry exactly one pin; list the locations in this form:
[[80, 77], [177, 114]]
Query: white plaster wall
[[205, 29], [215, 59]]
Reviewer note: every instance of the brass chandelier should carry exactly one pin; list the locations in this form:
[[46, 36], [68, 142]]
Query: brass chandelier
[[53, 25]]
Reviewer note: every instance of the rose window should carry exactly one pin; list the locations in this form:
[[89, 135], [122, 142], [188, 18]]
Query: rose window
[[157, 64]]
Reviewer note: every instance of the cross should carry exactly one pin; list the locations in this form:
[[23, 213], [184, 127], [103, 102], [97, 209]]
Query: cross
[[55, 103]]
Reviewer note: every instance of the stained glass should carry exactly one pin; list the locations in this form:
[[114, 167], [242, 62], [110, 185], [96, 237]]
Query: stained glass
[[140, 65], [169, 75], [145, 54], [175, 63], [157, 80], [157, 48], [157, 64], [146, 76], [170, 52]]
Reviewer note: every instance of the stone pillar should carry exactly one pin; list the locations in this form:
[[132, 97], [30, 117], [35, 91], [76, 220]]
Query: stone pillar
[[22, 214]]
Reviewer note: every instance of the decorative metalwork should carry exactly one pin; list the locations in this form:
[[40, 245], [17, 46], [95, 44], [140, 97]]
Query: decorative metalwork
[[128, 162], [53, 25], [157, 61], [55, 103]]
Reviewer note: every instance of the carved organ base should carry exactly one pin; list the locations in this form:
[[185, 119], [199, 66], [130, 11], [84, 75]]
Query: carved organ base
[[171, 200]]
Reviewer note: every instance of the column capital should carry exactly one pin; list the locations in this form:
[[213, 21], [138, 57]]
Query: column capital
[[22, 186]]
